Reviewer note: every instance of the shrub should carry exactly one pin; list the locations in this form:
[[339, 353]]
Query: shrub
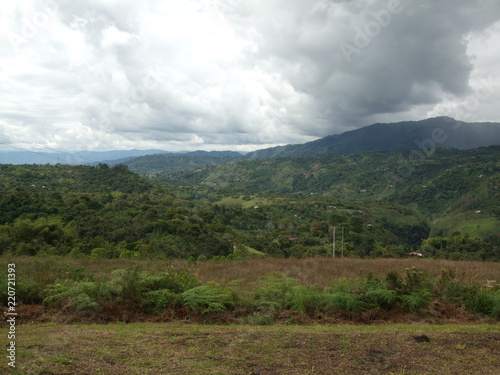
[[177, 281], [486, 303], [126, 286], [379, 297], [342, 285], [415, 280], [156, 301], [416, 300], [274, 292], [344, 301], [129, 254], [394, 282], [78, 296], [308, 299], [100, 253], [208, 299], [29, 293]]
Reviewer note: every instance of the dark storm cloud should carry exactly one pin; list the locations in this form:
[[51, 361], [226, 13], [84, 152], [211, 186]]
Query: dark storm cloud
[[239, 74], [360, 60]]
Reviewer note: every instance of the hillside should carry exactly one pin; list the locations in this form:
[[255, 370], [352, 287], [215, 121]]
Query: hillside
[[432, 132], [78, 209], [281, 207], [448, 183], [170, 163], [425, 136]]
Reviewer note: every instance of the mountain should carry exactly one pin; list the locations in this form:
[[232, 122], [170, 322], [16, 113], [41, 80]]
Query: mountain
[[74, 158], [170, 163], [425, 135]]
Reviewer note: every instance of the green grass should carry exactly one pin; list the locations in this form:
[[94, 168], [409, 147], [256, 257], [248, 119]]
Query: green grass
[[179, 348], [471, 223], [246, 201]]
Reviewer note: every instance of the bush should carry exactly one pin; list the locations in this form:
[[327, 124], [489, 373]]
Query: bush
[[156, 301], [416, 300], [175, 280], [344, 301], [342, 285], [274, 292], [379, 297], [486, 303], [29, 293], [78, 296], [309, 299], [208, 299], [100, 253], [415, 280], [129, 254]]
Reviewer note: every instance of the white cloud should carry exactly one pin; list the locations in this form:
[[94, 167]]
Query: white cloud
[[234, 74]]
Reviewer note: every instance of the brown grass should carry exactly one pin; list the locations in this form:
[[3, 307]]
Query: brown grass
[[153, 348], [315, 271]]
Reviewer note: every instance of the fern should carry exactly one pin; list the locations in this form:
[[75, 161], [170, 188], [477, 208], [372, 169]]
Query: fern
[[379, 297], [275, 292], [416, 300], [308, 299], [78, 296], [343, 301], [156, 301], [208, 299]]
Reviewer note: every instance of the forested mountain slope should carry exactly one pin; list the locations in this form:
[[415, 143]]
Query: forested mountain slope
[[425, 134], [170, 163], [112, 212], [447, 182]]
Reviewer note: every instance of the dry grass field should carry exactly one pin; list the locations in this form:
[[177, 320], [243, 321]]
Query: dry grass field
[[294, 344], [176, 348], [308, 271]]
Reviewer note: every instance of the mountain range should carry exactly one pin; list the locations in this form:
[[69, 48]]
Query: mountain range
[[425, 134], [432, 132]]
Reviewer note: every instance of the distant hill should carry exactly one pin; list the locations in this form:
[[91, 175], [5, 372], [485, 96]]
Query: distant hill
[[433, 132], [171, 163], [74, 158]]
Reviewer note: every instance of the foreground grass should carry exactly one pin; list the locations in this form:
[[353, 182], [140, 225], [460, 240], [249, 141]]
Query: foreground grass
[[176, 348]]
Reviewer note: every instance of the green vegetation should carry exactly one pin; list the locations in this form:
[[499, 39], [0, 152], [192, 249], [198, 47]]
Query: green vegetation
[[177, 291], [282, 207]]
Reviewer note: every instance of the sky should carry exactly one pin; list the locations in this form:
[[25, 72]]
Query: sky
[[182, 75]]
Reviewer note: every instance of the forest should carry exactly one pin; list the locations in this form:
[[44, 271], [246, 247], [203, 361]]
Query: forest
[[282, 207]]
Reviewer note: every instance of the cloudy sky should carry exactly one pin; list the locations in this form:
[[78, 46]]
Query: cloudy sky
[[238, 74]]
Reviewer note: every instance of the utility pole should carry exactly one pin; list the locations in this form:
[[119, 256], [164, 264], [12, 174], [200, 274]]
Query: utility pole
[[343, 241], [334, 242]]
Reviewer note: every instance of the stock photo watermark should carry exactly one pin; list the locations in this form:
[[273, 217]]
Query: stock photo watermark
[[426, 147], [137, 95], [377, 21], [32, 24], [11, 314]]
